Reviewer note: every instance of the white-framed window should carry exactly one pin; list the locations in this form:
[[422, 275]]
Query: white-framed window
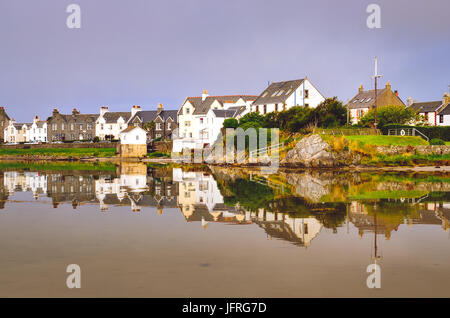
[[72, 126], [158, 126], [169, 126], [62, 126]]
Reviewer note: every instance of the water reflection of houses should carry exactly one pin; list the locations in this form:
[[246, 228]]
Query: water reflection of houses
[[136, 187], [35, 182], [65, 187], [300, 231], [361, 214]]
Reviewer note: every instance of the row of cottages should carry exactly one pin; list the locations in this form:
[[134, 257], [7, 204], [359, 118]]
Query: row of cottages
[[76, 126], [364, 100], [201, 118], [434, 113]]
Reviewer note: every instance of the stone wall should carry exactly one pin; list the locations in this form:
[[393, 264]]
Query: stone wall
[[63, 145], [162, 146], [132, 151]]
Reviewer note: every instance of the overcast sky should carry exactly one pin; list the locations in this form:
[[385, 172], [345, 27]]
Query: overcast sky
[[144, 52]]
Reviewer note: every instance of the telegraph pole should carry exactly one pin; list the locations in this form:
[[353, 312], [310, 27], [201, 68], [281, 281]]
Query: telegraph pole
[[376, 76]]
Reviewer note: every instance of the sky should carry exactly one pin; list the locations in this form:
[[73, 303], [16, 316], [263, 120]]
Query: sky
[[143, 52]]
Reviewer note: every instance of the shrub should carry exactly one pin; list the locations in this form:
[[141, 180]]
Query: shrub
[[230, 123], [96, 139], [389, 115], [437, 141]]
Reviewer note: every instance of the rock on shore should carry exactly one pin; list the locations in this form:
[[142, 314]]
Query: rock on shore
[[311, 151]]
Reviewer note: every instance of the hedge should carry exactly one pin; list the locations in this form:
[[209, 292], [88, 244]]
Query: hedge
[[432, 132]]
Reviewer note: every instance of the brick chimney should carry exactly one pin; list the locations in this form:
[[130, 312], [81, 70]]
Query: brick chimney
[[396, 93], [205, 94], [446, 99], [160, 108], [135, 109], [361, 89], [388, 85], [75, 111], [103, 110]]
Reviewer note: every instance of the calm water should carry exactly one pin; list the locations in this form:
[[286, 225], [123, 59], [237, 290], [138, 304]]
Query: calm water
[[167, 232]]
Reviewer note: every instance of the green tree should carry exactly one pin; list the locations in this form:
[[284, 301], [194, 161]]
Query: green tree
[[330, 113], [252, 117], [389, 115], [230, 123]]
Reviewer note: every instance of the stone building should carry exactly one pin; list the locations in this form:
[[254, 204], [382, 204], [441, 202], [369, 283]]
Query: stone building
[[133, 142], [4, 122], [75, 126], [363, 101], [165, 122]]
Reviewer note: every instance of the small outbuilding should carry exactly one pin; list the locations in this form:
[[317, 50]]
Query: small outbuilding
[[133, 142]]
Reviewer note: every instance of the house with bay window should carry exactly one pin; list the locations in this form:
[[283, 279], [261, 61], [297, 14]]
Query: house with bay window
[[198, 127], [70, 127]]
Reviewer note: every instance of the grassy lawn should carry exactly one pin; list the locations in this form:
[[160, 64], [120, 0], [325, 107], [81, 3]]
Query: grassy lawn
[[60, 152], [388, 195], [447, 143], [57, 166], [382, 140]]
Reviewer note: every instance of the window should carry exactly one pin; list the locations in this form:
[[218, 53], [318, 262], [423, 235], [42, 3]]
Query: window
[[190, 135], [426, 116], [188, 110], [265, 94], [201, 121], [306, 93], [441, 119], [137, 137], [55, 126], [187, 123], [158, 135], [169, 126], [89, 126], [265, 109], [101, 127], [158, 126], [72, 126], [257, 108], [274, 93], [276, 107], [62, 126], [81, 126]]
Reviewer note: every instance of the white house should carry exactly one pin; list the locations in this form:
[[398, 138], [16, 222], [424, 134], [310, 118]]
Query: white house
[[284, 95], [109, 124], [16, 132], [133, 142], [37, 132], [193, 118], [435, 113]]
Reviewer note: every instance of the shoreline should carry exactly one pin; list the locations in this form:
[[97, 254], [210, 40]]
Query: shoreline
[[287, 168]]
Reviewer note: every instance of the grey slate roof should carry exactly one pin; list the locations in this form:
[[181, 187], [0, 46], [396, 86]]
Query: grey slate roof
[[226, 113], [203, 106], [150, 115], [364, 99], [445, 110], [112, 117], [278, 92], [426, 107]]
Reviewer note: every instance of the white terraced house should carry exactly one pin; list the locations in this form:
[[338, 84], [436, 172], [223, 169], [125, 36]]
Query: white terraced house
[[195, 120], [284, 95], [37, 132], [435, 113], [16, 132], [109, 124]]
